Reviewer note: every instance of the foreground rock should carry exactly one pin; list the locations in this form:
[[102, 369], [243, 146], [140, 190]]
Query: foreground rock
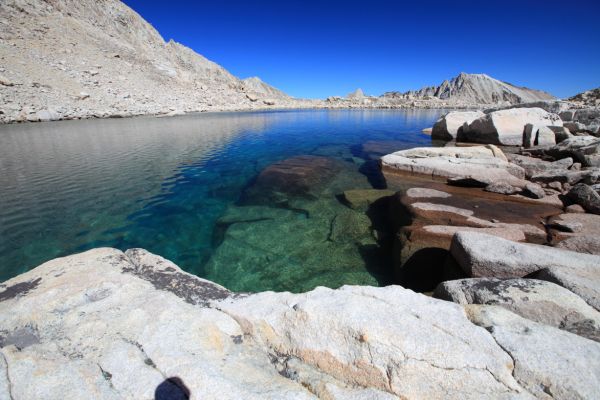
[[106, 324], [537, 300], [506, 127], [536, 368]]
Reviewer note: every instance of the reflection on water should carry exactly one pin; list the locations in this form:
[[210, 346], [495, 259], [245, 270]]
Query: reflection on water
[[160, 184]]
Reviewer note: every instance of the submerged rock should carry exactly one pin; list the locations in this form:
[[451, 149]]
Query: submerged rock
[[361, 199], [299, 176]]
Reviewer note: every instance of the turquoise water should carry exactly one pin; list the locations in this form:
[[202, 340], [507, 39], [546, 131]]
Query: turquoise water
[[179, 188]]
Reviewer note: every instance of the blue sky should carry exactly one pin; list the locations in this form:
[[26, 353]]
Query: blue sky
[[321, 48]]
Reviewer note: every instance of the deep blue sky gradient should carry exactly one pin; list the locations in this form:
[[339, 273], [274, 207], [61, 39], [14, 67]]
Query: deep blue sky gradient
[[320, 48]]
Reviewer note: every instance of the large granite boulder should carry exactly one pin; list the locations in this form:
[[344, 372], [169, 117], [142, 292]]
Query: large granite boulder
[[482, 163], [446, 128], [506, 127], [537, 300], [482, 255], [111, 325]]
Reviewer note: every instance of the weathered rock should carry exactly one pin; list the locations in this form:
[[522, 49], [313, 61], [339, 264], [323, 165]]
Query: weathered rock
[[110, 325], [446, 128], [426, 193], [571, 177], [534, 135], [502, 188], [361, 199], [575, 208], [581, 244], [533, 166], [583, 149], [506, 126], [533, 190], [581, 280], [537, 300], [480, 163], [574, 127], [560, 133], [586, 197], [300, 325], [578, 224], [5, 81], [481, 255], [536, 349]]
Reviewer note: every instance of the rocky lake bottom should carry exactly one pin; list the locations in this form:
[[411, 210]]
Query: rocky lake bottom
[[253, 201]]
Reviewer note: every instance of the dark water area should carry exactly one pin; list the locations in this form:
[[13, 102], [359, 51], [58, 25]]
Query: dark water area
[[188, 188]]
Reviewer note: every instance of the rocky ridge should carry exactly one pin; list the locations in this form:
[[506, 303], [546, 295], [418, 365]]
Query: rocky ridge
[[69, 59], [475, 89], [66, 59]]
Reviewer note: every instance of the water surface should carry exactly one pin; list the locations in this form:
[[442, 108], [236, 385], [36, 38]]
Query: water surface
[[174, 186]]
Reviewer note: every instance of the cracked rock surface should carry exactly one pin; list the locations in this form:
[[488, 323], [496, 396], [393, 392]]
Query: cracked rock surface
[[111, 325]]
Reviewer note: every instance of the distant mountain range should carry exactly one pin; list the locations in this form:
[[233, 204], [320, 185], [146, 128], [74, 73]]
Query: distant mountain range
[[65, 59], [475, 88]]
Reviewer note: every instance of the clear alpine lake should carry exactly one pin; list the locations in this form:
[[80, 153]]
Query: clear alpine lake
[[178, 186]]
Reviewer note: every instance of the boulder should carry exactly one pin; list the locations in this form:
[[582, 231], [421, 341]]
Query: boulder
[[506, 127], [447, 127], [534, 135], [581, 244], [581, 280], [566, 176], [573, 224], [534, 191], [481, 163], [501, 188], [560, 132], [539, 301], [112, 325], [533, 166], [48, 115], [586, 197], [481, 255], [583, 149], [574, 127], [537, 348]]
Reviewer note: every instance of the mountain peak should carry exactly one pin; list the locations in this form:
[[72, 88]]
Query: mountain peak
[[480, 89]]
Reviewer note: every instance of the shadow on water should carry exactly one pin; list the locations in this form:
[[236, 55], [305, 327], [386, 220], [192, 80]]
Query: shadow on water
[[172, 389]]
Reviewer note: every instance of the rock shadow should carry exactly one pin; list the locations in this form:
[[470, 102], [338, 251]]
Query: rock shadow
[[172, 389]]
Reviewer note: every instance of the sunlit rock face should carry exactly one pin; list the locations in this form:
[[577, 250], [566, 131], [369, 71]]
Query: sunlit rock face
[[110, 325]]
